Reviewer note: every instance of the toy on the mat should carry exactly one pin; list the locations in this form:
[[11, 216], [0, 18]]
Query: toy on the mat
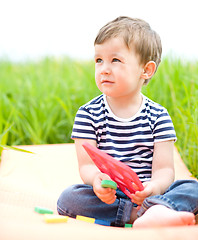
[[128, 225], [109, 184], [122, 174], [49, 217], [93, 220], [102, 222], [53, 218], [43, 210], [85, 219]]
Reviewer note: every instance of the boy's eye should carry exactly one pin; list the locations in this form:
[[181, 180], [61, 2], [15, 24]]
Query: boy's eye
[[98, 60], [116, 60]]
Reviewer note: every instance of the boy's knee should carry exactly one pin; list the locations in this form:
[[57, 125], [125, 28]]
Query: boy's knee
[[71, 199], [65, 200], [194, 186], [188, 185]]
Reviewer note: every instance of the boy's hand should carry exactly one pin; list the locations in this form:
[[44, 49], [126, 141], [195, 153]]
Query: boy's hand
[[139, 196], [106, 195]]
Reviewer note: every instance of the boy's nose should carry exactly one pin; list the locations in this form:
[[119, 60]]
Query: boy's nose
[[106, 69]]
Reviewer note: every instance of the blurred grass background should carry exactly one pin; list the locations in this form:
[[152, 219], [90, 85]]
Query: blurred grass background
[[39, 100]]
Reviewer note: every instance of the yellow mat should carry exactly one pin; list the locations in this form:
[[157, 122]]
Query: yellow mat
[[30, 180]]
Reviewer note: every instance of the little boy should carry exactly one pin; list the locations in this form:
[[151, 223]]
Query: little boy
[[134, 130]]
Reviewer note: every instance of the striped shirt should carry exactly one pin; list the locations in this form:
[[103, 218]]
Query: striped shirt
[[127, 140]]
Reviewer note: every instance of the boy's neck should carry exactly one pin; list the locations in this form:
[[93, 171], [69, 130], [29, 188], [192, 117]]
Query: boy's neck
[[125, 107]]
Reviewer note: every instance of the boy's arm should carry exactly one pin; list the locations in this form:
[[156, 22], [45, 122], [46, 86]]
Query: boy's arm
[[87, 168], [90, 174], [162, 172]]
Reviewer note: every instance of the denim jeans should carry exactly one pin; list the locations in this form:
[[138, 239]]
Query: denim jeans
[[80, 199]]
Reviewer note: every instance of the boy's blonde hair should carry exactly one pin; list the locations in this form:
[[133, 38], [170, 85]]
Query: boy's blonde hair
[[137, 35]]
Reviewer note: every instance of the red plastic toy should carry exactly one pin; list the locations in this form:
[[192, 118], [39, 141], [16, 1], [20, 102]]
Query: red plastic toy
[[122, 174]]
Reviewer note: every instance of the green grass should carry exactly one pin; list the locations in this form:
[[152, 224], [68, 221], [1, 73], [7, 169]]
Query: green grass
[[175, 86], [39, 100]]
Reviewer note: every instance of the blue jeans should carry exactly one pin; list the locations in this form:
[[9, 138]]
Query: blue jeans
[[80, 199]]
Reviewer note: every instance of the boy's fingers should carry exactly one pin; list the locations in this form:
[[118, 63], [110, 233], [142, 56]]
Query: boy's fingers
[[136, 188], [107, 198], [147, 192], [104, 177], [110, 199], [136, 198], [139, 196], [105, 191]]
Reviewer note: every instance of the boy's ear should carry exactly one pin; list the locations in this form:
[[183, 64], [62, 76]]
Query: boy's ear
[[149, 70]]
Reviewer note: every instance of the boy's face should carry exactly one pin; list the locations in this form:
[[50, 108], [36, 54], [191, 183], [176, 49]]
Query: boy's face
[[117, 69]]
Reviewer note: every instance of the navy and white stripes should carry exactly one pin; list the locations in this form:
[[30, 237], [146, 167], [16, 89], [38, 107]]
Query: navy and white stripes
[[128, 140]]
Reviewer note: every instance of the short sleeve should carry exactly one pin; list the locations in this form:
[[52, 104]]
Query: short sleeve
[[83, 125], [163, 128]]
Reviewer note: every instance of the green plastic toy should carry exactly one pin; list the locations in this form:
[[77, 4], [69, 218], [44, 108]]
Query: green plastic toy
[[109, 184]]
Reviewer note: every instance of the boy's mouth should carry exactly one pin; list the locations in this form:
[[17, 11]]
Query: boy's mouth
[[103, 81]]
